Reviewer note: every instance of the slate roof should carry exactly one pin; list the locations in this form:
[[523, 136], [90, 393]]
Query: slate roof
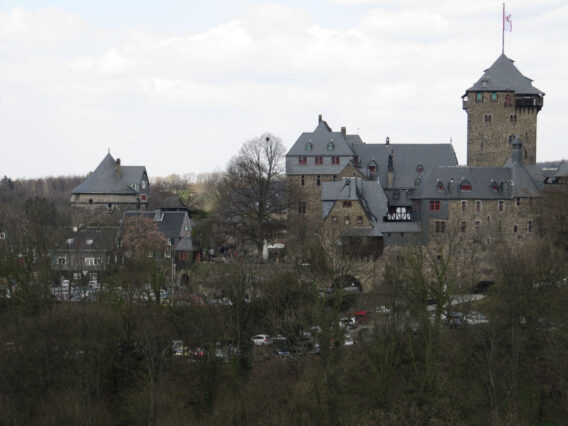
[[406, 159], [504, 76], [105, 180], [170, 223], [91, 238], [511, 182], [368, 193], [319, 140], [356, 231], [385, 227]]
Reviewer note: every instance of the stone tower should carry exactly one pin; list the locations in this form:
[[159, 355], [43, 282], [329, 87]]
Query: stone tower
[[502, 104]]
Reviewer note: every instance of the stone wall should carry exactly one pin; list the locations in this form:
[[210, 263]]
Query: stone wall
[[488, 143]]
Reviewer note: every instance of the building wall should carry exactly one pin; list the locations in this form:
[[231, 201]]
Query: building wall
[[488, 143], [115, 200], [511, 224]]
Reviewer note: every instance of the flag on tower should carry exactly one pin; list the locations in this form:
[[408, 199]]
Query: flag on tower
[[507, 22]]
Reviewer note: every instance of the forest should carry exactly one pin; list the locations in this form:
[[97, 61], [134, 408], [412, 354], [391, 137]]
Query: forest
[[114, 361]]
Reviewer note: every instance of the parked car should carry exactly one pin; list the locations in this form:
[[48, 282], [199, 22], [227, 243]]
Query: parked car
[[475, 318], [261, 340]]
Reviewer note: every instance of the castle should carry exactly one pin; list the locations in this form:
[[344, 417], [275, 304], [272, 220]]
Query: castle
[[367, 196]]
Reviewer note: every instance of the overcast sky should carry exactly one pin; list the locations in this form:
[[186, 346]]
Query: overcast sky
[[179, 85]]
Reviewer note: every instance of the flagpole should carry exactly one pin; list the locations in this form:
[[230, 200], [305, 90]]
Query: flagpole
[[503, 32]]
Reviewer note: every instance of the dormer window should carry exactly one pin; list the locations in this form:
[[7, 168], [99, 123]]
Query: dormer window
[[308, 146], [419, 168], [494, 186], [465, 186], [134, 186], [330, 146], [417, 182], [440, 186], [143, 184]]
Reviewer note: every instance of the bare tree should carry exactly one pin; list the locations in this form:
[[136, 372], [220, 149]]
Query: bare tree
[[250, 196]]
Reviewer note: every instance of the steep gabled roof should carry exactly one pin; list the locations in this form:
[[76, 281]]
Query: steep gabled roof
[[504, 76], [321, 142], [170, 223], [106, 180], [406, 160], [369, 193]]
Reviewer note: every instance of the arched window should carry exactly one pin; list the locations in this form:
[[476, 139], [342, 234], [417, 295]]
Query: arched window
[[440, 185], [372, 167], [309, 146], [330, 146], [419, 168]]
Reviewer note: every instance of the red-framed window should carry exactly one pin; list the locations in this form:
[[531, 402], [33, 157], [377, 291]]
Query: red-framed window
[[372, 169], [466, 187], [335, 160], [302, 161], [434, 205], [319, 160]]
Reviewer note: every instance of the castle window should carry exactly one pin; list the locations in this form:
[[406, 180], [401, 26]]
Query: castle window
[[318, 180], [359, 220], [319, 160], [334, 219], [499, 226], [346, 204], [513, 118], [478, 205], [335, 161], [302, 180], [61, 260], [479, 97], [510, 139], [330, 146], [530, 225], [518, 201], [515, 229], [464, 205], [334, 178], [487, 118], [439, 226], [143, 197], [493, 97], [501, 205], [308, 146], [434, 205], [301, 207], [463, 227], [440, 186], [143, 184], [346, 220], [494, 186], [419, 168], [488, 218], [477, 225], [302, 161], [372, 169], [507, 100], [465, 186]]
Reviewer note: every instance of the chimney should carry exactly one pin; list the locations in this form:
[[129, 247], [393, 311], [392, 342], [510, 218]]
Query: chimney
[[117, 168], [319, 119], [390, 170], [517, 153], [343, 131]]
